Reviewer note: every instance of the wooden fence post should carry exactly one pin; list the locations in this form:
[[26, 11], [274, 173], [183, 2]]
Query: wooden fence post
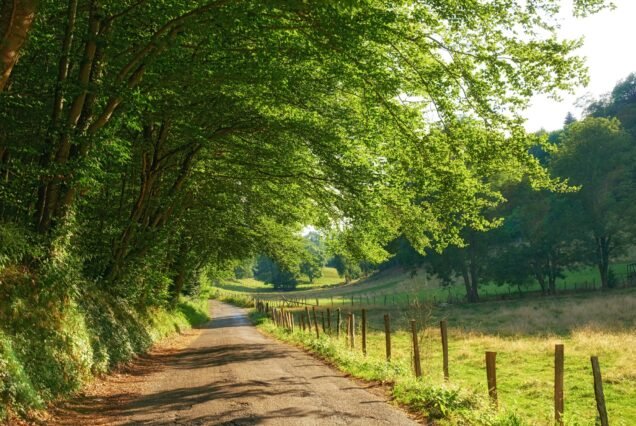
[[329, 320], [558, 384], [338, 324], [444, 331], [598, 392], [364, 332], [352, 330], [302, 321], [387, 336], [491, 376], [416, 350], [308, 318], [313, 308]]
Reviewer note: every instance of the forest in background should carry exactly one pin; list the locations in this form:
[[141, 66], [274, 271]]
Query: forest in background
[[540, 234]]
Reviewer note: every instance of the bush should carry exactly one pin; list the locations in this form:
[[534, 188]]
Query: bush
[[51, 350]]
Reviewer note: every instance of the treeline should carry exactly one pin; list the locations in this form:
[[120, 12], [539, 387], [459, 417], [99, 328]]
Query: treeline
[[544, 233]]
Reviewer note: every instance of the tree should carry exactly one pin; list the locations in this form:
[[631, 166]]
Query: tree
[[599, 156], [16, 20], [569, 119], [537, 240], [620, 103], [272, 273], [131, 123], [314, 256]]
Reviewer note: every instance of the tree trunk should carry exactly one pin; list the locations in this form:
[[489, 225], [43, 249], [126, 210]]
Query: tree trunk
[[474, 277], [181, 271], [552, 272], [469, 276], [602, 254], [16, 19], [541, 280]]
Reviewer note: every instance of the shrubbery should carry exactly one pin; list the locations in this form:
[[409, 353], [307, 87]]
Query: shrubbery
[[52, 341]]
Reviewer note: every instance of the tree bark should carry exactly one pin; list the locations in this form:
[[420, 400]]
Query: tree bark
[[181, 272], [16, 20], [602, 253], [470, 276]]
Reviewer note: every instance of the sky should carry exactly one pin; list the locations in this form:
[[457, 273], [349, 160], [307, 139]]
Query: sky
[[608, 37]]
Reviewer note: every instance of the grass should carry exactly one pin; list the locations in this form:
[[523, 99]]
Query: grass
[[329, 278], [396, 287], [523, 333]]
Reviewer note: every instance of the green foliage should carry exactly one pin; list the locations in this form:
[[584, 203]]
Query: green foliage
[[16, 389], [51, 350], [272, 273]]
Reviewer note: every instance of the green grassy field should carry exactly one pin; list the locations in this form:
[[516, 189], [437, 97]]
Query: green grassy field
[[522, 330], [523, 333], [396, 287], [329, 278]]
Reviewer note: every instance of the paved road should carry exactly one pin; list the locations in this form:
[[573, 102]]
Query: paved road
[[233, 375]]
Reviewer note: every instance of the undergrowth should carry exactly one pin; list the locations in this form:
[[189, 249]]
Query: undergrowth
[[50, 354]]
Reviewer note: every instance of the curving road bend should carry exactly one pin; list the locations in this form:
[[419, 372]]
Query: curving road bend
[[231, 374]]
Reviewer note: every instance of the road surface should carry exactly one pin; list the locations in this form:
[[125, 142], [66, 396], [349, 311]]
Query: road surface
[[231, 374]]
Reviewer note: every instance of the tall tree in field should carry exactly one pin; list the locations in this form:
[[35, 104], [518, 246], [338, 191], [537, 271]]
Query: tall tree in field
[[599, 156]]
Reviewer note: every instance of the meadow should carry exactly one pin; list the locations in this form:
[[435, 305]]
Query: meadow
[[523, 332]]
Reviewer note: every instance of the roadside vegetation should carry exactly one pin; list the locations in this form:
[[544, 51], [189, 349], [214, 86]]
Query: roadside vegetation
[[523, 333]]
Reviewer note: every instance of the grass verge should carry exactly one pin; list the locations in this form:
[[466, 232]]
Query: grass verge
[[443, 404]]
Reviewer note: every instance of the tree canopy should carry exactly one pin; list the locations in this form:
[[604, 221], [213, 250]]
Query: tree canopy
[[147, 139]]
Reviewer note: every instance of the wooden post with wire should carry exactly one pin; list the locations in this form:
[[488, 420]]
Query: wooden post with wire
[[387, 336], [416, 350], [558, 384], [352, 330], [364, 332], [491, 376], [313, 308], [444, 331], [598, 392]]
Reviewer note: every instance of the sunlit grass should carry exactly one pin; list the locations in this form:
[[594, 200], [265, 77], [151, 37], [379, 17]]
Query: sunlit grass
[[523, 333], [329, 278]]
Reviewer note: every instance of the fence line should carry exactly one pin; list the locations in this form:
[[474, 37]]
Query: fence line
[[285, 319]]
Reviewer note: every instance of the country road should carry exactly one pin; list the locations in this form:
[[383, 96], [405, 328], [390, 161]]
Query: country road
[[231, 374]]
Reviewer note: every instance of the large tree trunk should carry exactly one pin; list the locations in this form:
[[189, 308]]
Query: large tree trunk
[[181, 272], [541, 280], [552, 272], [470, 282], [602, 256], [16, 19]]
